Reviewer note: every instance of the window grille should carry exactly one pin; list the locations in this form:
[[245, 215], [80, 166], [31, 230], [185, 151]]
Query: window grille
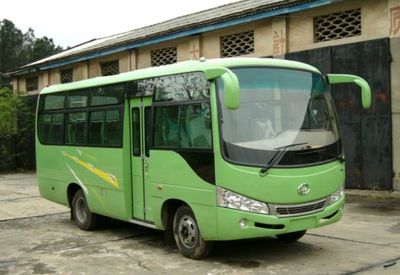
[[32, 84], [164, 56], [337, 25], [66, 76], [110, 68], [237, 44]]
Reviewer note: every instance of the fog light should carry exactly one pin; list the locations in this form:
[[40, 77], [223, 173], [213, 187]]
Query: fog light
[[243, 223]]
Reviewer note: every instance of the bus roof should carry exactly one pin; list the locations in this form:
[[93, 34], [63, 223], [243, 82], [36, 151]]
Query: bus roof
[[181, 67]]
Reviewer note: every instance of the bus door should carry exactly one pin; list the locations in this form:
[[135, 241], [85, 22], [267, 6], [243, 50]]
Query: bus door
[[141, 137]]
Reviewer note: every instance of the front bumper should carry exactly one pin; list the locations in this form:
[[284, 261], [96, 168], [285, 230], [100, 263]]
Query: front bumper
[[230, 222]]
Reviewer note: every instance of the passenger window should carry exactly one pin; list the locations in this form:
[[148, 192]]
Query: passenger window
[[166, 126], [75, 131], [51, 128], [108, 95], [78, 100], [52, 102], [183, 126], [195, 126], [105, 128], [182, 87]]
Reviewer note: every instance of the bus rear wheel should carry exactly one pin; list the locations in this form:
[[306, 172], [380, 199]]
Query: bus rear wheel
[[187, 235], [84, 218], [292, 236]]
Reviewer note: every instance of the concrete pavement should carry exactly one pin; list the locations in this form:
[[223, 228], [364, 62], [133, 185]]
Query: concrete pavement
[[37, 237]]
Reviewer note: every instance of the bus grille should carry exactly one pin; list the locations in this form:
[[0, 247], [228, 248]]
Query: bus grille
[[299, 209]]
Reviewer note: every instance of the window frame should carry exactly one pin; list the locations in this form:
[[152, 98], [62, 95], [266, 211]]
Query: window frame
[[108, 63], [222, 43], [155, 54], [66, 71], [32, 78], [318, 37]]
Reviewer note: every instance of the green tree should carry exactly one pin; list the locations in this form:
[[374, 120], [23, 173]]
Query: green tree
[[17, 129], [11, 47], [17, 113], [17, 48], [43, 47], [9, 103]]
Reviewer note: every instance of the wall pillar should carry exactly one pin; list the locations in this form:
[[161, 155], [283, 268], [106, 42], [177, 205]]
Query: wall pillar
[[194, 48], [81, 71], [279, 37], [132, 60]]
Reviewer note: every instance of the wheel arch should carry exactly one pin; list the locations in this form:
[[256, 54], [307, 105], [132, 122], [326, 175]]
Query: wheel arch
[[205, 217], [168, 210], [71, 190]]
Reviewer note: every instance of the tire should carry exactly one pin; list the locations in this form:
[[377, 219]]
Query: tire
[[291, 237], [187, 235], [84, 218]]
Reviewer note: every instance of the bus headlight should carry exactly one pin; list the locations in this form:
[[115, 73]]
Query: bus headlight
[[229, 199], [337, 195]]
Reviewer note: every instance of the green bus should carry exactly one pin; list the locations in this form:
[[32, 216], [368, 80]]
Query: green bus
[[206, 150]]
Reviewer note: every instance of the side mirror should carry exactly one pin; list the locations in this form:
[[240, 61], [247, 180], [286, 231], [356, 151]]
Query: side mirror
[[231, 85], [347, 78]]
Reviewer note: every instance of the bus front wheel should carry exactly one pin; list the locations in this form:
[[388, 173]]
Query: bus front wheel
[[84, 218], [292, 236], [187, 235]]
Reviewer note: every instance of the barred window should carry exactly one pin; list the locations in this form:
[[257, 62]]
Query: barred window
[[237, 44], [66, 76], [110, 68], [32, 83], [164, 56], [337, 25]]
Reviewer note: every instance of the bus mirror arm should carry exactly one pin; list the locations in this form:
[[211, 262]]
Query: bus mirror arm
[[347, 78], [231, 85]]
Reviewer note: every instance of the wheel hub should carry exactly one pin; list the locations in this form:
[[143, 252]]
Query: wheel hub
[[81, 213], [187, 231]]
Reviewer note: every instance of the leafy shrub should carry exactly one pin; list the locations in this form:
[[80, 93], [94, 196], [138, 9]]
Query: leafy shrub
[[16, 131]]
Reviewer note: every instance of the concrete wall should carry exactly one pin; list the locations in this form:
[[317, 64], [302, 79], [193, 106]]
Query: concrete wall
[[374, 24]]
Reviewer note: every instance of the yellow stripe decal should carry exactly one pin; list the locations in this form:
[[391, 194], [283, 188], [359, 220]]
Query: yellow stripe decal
[[107, 177]]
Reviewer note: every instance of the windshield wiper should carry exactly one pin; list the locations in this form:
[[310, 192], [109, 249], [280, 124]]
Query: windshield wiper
[[277, 156]]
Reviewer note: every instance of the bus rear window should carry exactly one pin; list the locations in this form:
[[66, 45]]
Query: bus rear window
[[50, 128]]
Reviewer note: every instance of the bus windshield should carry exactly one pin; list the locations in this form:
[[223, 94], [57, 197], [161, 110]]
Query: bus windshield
[[280, 108]]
